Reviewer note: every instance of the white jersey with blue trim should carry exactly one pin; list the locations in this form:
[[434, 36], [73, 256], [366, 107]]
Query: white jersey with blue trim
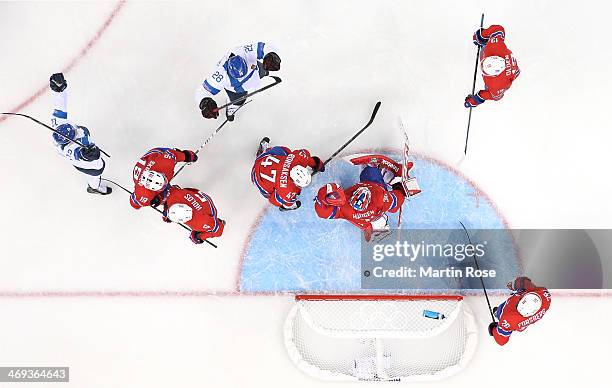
[[72, 151], [253, 54]]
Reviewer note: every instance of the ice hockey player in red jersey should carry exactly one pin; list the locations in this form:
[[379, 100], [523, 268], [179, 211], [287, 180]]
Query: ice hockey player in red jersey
[[194, 209], [498, 65], [153, 172], [366, 203], [280, 174], [527, 305]]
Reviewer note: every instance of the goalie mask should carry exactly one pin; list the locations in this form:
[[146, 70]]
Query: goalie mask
[[529, 304], [153, 180], [360, 200], [493, 66], [301, 176], [179, 212]]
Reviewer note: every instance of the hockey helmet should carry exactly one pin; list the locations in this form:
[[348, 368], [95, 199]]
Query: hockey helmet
[[153, 180], [236, 66], [64, 132], [301, 176], [493, 65], [529, 304], [360, 200], [180, 212]]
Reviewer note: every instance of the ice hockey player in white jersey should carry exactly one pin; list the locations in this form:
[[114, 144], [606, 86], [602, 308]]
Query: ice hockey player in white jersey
[[85, 159], [239, 71]]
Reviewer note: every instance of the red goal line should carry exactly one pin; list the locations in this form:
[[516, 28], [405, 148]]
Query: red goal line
[[374, 297]]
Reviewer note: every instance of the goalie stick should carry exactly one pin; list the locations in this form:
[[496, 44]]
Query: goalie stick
[[208, 139], [277, 81], [410, 185], [48, 127], [154, 208], [467, 135], [404, 170]]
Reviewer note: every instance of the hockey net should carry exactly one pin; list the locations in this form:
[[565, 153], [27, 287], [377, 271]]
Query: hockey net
[[380, 337]]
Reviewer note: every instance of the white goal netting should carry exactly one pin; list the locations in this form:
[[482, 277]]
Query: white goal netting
[[380, 338]]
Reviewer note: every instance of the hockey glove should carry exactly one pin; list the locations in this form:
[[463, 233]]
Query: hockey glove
[[195, 237], [190, 156], [319, 166], [90, 153], [57, 82], [478, 39], [473, 100], [519, 284], [271, 62], [208, 107], [492, 326], [332, 194], [399, 186], [156, 201]]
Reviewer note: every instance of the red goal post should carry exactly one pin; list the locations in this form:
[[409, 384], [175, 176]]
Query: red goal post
[[380, 337]]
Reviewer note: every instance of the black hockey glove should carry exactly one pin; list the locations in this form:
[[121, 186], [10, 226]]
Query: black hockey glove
[[57, 82], [90, 153], [320, 167], [156, 201], [399, 186], [195, 237], [272, 62], [190, 156], [208, 107], [492, 326]]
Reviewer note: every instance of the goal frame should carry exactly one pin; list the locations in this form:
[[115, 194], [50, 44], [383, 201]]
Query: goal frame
[[462, 312]]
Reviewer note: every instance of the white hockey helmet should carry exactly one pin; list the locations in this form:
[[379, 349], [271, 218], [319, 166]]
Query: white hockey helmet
[[180, 212], [153, 180], [529, 304], [493, 65], [301, 176]]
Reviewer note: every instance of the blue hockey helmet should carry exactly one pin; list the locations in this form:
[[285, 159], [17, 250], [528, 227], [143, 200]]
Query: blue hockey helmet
[[236, 66], [66, 131]]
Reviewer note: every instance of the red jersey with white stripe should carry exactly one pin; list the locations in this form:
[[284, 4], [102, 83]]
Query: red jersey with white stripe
[[382, 201], [158, 159], [270, 174], [204, 213], [495, 86], [511, 320]]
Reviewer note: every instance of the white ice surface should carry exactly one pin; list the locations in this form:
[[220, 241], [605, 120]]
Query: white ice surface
[[542, 154]]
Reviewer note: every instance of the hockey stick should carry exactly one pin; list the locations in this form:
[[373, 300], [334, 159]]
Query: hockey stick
[[404, 172], [478, 268], [154, 208], [277, 81], [473, 90], [208, 139], [48, 127], [376, 107]]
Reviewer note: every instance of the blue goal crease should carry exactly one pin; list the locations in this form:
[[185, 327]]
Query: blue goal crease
[[298, 251]]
